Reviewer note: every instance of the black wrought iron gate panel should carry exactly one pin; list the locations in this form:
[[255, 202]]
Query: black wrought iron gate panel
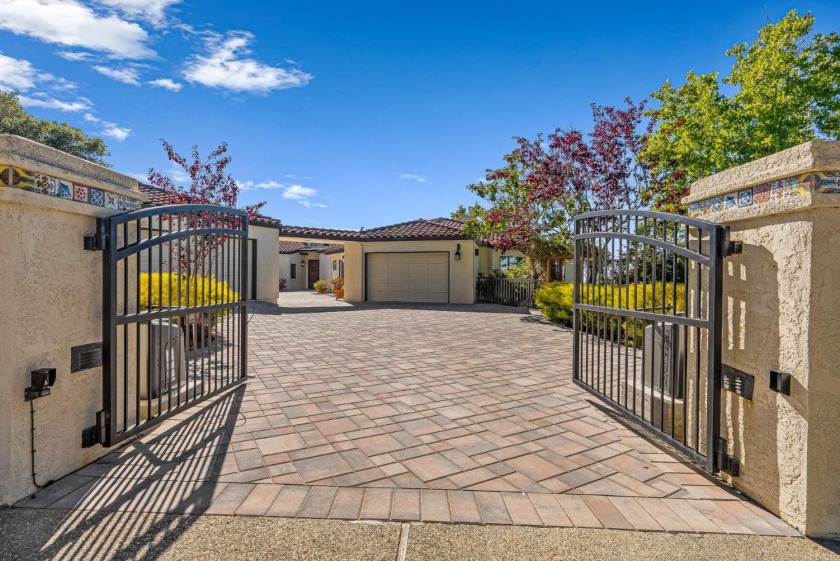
[[647, 321], [174, 312]]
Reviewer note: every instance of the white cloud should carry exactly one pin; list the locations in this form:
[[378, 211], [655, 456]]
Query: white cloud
[[18, 74], [252, 186], [166, 83], [308, 204], [116, 132], [70, 23], [151, 11], [126, 75], [44, 101], [225, 66], [298, 192], [111, 130], [412, 177], [74, 56]]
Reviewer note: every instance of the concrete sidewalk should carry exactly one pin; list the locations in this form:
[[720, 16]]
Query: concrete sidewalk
[[29, 534]]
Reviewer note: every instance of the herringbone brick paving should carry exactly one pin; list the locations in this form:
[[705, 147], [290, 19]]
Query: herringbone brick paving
[[436, 413]]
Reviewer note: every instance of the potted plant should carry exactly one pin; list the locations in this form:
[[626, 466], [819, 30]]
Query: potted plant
[[320, 286], [338, 286]]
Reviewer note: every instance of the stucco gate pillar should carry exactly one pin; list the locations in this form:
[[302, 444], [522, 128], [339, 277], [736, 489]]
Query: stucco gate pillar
[[50, 303], [782, 314]]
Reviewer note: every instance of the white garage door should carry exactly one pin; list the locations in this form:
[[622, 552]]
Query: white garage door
[[408, 277]]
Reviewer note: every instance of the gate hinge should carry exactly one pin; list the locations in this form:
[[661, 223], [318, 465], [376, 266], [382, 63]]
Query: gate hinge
[[96, 242], [726, 463], [732, 248], [92, 436]]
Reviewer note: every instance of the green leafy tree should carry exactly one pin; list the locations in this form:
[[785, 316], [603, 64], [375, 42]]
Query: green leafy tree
[[15, 120], [785, 91]]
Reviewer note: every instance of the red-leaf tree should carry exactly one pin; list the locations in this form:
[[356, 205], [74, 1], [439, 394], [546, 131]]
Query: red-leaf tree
[[530, 203], [209, 184]]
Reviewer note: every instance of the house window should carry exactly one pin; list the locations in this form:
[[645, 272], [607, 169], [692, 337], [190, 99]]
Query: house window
[[341, 268], [507, 261], [335, 265], [294, 271]]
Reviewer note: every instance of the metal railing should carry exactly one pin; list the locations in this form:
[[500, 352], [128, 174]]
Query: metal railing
[[507, 292]]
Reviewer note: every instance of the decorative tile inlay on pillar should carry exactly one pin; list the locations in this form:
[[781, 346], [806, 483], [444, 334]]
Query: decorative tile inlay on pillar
[[19, 178]]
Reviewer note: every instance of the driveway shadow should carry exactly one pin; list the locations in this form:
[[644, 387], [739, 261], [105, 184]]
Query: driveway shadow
[[139, 477]]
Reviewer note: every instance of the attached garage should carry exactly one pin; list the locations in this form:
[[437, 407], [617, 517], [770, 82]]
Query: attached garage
[[408, 277]]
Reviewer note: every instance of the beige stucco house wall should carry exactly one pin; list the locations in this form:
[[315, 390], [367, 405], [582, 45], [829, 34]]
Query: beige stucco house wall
[[782, 300], [51, 300], [285, 263], [268, 262]]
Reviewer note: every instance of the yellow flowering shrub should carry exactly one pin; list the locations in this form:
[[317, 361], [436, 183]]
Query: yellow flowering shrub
[[556, 302], [172, 290]]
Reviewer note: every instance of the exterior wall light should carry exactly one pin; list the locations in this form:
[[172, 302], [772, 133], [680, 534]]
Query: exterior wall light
[[458, 253], [42, 380]]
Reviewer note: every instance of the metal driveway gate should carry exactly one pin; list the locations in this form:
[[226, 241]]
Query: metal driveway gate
[[174, 312], [647, 323]]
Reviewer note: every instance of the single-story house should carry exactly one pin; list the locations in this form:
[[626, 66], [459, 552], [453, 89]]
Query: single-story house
[[263, 262], [424, 260]]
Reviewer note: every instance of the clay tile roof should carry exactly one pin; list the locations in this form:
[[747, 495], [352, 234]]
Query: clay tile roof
[[291, 247], [335, 248], [266, 221], [420, 229], [157, 196], [306, 232]]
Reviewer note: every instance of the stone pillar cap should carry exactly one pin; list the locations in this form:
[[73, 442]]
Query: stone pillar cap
[[802, 176]]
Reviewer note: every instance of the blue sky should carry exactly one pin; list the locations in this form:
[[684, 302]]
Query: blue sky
[[354, 114]]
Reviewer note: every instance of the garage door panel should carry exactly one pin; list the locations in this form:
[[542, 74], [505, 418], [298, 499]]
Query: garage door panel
[[408, 277], [438, 287], [398, 272], [438, 272], [419, 258]]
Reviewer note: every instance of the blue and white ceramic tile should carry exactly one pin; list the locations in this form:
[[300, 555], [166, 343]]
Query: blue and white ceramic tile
[[97, 197], [745, 198], [729, 201]]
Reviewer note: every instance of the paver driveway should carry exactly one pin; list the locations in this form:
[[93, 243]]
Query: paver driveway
[[436, 413]]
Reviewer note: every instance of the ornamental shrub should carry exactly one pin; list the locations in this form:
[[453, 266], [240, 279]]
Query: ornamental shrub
[[172, 290], [320, 285], [554, 299], [556, 302]]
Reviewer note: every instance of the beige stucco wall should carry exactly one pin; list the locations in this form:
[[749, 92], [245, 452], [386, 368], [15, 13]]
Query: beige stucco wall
[[461, 273], [286, 260], [333, 261], [780, 312], [50, 300], [268, 262]]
